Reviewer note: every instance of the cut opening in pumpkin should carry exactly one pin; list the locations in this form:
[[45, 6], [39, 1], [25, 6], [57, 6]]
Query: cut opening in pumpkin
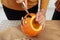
[[35, 24]]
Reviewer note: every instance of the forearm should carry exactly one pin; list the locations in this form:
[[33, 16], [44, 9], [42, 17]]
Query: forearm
[[44, 5]]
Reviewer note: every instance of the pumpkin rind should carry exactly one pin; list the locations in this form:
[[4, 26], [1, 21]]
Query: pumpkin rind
[[27, 27]]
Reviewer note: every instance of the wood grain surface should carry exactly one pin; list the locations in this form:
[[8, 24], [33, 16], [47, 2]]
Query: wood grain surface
[[51, 32]]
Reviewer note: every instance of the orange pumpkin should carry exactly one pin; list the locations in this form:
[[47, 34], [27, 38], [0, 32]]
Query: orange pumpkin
[[29, 26]]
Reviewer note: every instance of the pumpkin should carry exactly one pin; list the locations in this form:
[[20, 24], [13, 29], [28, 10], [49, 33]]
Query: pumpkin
[[29, 26]]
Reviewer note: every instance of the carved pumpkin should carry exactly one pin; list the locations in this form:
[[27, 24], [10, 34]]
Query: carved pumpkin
[[29, 26]]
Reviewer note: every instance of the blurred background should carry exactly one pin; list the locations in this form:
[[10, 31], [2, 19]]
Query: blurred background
[[49, 12]]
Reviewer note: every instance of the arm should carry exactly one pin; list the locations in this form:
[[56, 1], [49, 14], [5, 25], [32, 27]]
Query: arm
[[20, 1], [44, 5], [40, 17]]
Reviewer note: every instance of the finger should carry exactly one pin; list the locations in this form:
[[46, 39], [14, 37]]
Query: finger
[[38, 17], [41, 22], [25, 3], [41, 19], [43, 26]]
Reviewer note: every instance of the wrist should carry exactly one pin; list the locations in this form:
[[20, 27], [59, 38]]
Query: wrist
[[43, 11]]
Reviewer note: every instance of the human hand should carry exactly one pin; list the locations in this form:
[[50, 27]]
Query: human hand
[[40, 18], [20, 1]]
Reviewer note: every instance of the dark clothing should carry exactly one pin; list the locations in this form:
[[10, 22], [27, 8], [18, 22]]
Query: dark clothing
[[56, 15], [16, 14]]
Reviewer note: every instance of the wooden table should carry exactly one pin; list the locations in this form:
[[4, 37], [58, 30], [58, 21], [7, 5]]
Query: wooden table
[[51, 31]]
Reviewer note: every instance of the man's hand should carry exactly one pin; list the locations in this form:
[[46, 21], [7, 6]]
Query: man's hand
[[40, 17], [20, 1]]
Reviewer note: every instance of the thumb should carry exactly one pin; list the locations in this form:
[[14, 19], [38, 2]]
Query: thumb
[[37, 16], [26, 3]]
